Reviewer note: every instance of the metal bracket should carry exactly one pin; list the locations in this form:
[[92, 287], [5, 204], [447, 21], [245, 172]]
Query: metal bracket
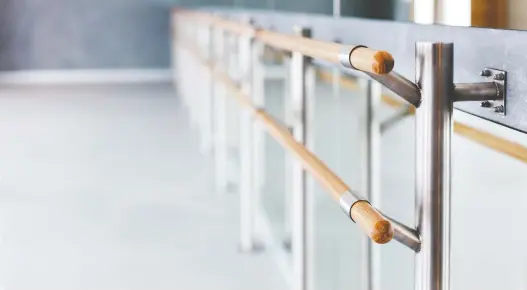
[[499, 77]]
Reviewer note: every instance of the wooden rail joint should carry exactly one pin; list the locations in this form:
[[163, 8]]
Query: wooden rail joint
[[360, 211]]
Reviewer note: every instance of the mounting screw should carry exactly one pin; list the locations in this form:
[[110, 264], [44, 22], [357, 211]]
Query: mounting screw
[[499, 76], [486, 104], [485, 73], [499, 109]]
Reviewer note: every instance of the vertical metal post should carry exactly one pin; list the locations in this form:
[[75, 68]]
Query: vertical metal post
[[371, 153], [300, 219], [174, 49], [195, 106], [232, 119], [336, 8], [220, 107], [191, 29], [258, 131], [434, 74], [246, 149], [336, 76], [288, 160], [205, 107]]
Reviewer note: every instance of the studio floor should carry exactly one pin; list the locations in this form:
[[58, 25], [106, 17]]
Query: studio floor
[[103, 187]]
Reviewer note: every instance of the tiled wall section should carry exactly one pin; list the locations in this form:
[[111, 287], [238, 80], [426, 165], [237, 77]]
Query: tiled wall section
[[83, 34]]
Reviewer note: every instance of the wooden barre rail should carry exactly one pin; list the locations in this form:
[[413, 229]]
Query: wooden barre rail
[[378, 228], [507, 147], [352, 56]]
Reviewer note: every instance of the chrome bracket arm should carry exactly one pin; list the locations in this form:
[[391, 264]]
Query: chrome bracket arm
[[404, 234], [492, 94], [401, 233], [401, 86]]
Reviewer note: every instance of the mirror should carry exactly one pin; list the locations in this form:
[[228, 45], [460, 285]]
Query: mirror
[[502, 14], [505, 14]]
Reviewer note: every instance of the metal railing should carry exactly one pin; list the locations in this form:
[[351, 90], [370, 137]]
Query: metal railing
[[356, 206], [485, 138], [432, 95]]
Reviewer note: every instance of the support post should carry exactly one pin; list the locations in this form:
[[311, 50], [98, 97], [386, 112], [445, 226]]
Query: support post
[[258, 139], [232, 120], [288, 160], [299, 86], [221, 56], [246, 149], [195, 71], [206, 108], [336, 75], [434, 75]]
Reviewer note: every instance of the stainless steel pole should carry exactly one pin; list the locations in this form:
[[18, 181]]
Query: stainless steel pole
[[195, 70], [337, 144], [258, 139], [434, 74], [246, 150], [336, 8], [221, 56], [288, 160], [299, 97], [206, 107], [232, 120]]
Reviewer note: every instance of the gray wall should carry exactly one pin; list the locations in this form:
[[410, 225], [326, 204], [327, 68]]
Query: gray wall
[[93, 34], [379, 9], [82, 34]]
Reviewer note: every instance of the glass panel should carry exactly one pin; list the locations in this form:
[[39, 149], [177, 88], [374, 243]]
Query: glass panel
[[337, 242], [397, 194], [488, 211], [275, 197], [340, 126]]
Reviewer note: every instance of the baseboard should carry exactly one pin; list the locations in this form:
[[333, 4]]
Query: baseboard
[[96, 76]]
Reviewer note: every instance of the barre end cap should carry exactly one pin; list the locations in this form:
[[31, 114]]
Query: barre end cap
[[369, 60], [372, 222], [384, 62], [382, 233]]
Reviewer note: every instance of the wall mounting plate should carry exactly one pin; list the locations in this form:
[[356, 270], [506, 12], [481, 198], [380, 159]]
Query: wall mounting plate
[[499, 77]]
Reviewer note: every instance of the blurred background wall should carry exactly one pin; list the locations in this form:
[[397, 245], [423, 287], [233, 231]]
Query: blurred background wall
[[134, 34], [117, 34], [83, 34]]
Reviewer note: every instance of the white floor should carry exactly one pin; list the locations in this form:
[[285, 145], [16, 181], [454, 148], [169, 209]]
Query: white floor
[[103, 187]]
